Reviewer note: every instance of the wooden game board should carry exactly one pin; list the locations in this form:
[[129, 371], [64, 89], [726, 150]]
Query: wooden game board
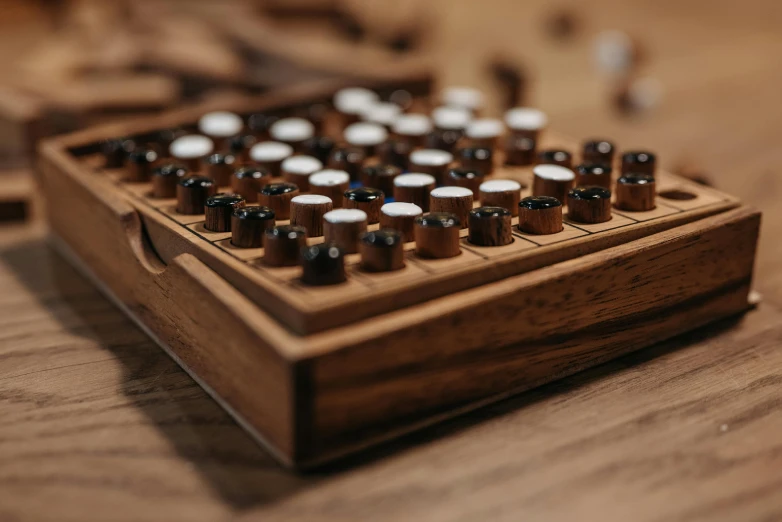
[[317, 372]]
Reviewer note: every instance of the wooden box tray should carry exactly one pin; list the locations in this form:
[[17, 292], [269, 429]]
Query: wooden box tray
[[318, 372]]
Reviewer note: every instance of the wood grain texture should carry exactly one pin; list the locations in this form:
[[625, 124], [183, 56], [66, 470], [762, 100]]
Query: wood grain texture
[[687, 430]]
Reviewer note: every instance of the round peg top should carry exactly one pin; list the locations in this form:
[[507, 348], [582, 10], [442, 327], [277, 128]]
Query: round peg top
[[453, 200], [297, 169], [249, 180], [139, 165], [589, 204], [192, 193], [292, 130], [331, 183], [400, 216], [282, 245], [484, 129], [552, 180], [451, 118], [465, 97], [430, 157], [191, 146], [382, 251], [504, 193], [463, 177], [323, 264], [597, 174], [598, 151], [380, 177], [319, 146], [555, 157], [354, 100], [220, 124], [165, 179], [343, 227], [412, 125], [437, 235], [382, 113], [307, 210], [270, 151], [414, 188], [636, 192], [490, 226], [368, 199], [525, 119], [365, 134], [219, 209], [639, 162], [540, 215]]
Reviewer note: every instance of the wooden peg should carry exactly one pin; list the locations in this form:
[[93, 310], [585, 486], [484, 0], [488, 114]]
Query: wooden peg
[[540, 215]]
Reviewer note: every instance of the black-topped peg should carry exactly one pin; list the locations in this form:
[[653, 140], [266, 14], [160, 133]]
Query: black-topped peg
[[282, 245], [380, 177], [555, 157], [139, 164], [599, 152], [540, 215], [589, 204], [192, 193], [219, 209], [639, 162], [367, 199], [219, 167], [479, 159], [437, 235], [239, 146], [249, 180], [115, 151], [349, 159], [593, 174], [322, 264], [395, 151], [165, 179], [382, 251], [319, 147], [278, 196], [519, 150], [465, 177], [248, 225], [635, 192], [259, 124], [490, 226]]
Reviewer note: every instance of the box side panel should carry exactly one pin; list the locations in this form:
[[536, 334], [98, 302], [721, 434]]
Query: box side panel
[[433, 360], [210, 327]]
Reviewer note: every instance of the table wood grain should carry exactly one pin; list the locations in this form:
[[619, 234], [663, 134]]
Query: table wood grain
[[96, 423]]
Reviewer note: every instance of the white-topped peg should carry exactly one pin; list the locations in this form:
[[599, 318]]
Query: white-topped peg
[[552, 180], [191, 149], [331, 183], [431, 161], [400, 216], [307, 210], [525, 119], [382, 113], [220, 124], [297, 170], [414, 188], [354, 100], [466, 97], [451, 118], [344, 226], [505, 193], [270, 154], [292, 131], [453, 200], [412, 126], [366, 135]]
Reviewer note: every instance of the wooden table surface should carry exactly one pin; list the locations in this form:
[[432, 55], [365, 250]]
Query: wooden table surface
[[96, 423]]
